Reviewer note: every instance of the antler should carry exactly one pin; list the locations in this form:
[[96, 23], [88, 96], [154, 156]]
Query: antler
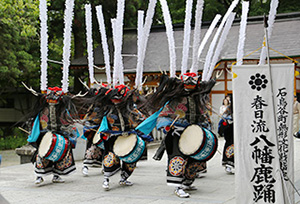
[[95, 80], [86, 86], [160, 70], [150, 92], [177, 77], [80, 95], [219, 73], [30, 89], [144, 81]]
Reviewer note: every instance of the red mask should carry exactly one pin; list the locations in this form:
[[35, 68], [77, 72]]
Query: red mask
[[190, 80], [54, 94]]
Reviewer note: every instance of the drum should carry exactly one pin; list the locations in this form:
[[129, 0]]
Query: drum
[[129, 148], [53, 147], [97, 140], [198, 143]]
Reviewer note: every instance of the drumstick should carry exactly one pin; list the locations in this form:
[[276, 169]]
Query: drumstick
[[93, 129], [88, 110], [24, 130], [90, 107], [174, 120], [212, 110]]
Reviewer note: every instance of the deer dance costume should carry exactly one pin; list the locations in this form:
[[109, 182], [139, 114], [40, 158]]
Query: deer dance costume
[[53, 113], [120, 119], [187, 99]]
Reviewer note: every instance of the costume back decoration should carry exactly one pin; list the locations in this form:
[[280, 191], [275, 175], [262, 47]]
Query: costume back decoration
[[53, 116], [44, 43], [104, 43], [170, 36], [197, 34], [180, 103], [68, 18], [205, 39], [88, 20], [209, 65], [143, 35], [117, 28], [242, 33], [186, 38]]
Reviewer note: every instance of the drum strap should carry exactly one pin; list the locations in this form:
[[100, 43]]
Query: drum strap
[[53, 123], [177, 131], [121, 119], [192, 110]]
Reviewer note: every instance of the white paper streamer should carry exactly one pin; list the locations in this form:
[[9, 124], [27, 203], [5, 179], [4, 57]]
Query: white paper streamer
[[146, 32], [206, 37], [220, 44], [215, 39], [104, 42], [187, 35], [242, 36], [147, 25], [118, 39], [68, 18], [89, 40], [140, 34], [44, 43], [197, 35], [120, 20], [115, 73], [271, 20], [170, 36]]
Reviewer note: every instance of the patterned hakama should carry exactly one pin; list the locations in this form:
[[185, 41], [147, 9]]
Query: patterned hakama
[[112, 163], [45, 167], [93, 155]]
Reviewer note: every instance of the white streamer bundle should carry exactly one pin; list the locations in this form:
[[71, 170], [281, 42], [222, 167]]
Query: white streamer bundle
[[118, 39], [115, 73], [197, 35], [104, 42], [44, 43], [120, 20], [89, 40], [187, 34], [68, 18], [147, 25], [271, 20], [206, 37], [220, 45], [146, 31], [140, 34], [215, 39], [170, 36], [242, 36]]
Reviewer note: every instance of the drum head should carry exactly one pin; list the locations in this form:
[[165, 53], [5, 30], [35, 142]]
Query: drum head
[[45, 144], [191, 139], [124, 145], [96, 137]]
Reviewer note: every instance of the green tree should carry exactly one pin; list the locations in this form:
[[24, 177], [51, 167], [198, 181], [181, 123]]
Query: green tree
[[19, 42]]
